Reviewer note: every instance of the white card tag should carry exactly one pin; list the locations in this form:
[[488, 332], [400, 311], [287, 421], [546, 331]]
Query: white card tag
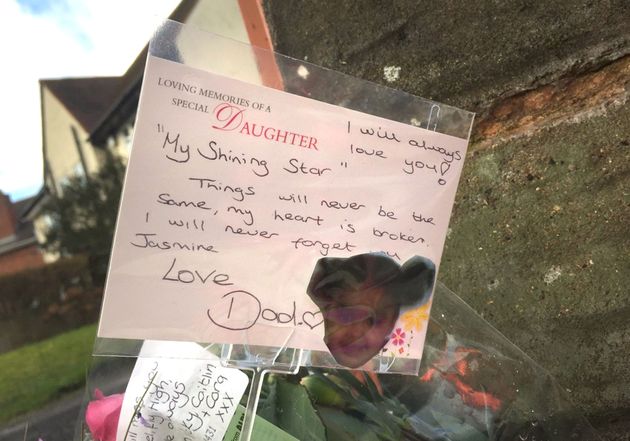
[[180, 399]]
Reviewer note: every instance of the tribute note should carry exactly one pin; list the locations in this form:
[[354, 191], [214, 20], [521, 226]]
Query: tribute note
[[235, 191], [170, 399]]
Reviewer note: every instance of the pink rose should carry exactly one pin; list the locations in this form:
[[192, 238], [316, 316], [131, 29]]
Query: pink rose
[[102, 415]]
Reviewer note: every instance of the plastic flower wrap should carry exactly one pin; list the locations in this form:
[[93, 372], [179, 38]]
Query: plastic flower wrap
[[473, 385]]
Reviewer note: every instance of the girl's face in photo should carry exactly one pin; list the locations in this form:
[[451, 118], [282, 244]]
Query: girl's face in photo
[[360, 299], [358, 324]]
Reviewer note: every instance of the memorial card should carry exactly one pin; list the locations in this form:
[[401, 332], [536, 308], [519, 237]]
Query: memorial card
[[179, 398], [255, 216]]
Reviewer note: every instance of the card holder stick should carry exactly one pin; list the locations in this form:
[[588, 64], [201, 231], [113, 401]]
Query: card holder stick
[[260, 361]]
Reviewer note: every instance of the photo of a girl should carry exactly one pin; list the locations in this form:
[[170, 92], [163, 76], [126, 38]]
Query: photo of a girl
[[361, 298]]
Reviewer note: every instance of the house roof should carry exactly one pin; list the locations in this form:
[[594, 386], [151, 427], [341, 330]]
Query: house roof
[[27, 209], [20, 207], [85, 98], [101, 104], [125, 103], [24, 233]]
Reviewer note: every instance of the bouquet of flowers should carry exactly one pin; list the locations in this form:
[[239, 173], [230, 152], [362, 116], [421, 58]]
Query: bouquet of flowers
[[473, 385]]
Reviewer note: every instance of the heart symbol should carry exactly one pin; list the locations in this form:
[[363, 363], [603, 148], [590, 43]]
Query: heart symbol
[[313, 323], [444, 167]]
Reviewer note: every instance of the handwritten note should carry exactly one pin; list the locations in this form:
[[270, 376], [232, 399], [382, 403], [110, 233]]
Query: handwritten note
[[233, 193], [179, 399]]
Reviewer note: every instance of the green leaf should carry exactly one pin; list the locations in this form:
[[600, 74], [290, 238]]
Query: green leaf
[[386, 425], [295, 413], [268, 402], [355, 384], [323, 391], [343, 427], [371, 386], [263, 430]]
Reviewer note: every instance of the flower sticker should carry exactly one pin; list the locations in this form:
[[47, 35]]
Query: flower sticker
[[416, 318], [398, 337]]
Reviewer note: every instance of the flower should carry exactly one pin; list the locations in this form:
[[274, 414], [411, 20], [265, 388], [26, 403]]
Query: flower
[[398, 337], [416, 318], [102, 415]]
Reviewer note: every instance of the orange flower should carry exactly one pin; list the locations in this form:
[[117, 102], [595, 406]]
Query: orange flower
[[415, 319]]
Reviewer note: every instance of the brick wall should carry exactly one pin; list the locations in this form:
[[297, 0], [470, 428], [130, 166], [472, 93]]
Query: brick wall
[[7, 216], [21, 259]]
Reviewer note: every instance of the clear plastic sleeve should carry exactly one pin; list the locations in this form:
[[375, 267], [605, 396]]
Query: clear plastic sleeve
[[470, 383], [473, 385], [330, 106]]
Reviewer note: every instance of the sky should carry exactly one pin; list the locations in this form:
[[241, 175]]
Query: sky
[[59, 39]]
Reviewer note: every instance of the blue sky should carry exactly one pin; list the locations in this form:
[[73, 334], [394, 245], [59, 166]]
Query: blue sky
[[59, 39], [41, 6], [62, 13]]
